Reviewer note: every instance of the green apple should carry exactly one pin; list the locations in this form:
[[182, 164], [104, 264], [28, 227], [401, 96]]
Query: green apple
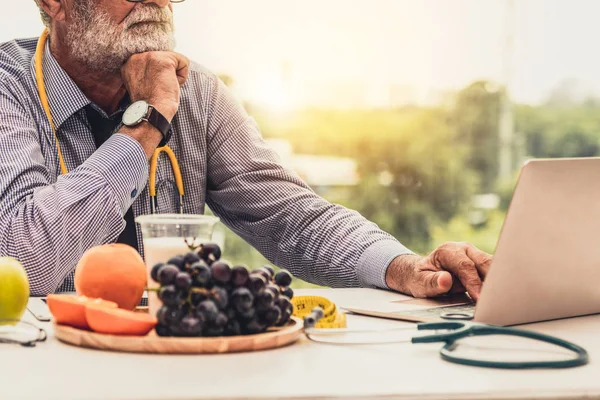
[[14, 289]]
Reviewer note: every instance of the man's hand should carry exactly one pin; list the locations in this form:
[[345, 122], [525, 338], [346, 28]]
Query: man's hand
[[156, 77], [451, 268]]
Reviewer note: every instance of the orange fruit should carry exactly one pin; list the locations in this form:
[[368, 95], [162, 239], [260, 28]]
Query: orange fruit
[[115, 321], [114, 272], [70, 310]]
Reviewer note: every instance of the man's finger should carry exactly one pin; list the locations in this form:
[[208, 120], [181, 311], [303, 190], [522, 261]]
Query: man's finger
[[482, 260], [183, 68], [431, 283], [457, 287], [463, 267]]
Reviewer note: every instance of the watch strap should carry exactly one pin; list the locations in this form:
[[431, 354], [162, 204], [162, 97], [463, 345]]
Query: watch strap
[[159, 122]]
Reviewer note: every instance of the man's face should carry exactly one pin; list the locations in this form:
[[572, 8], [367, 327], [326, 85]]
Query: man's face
[[103, 34]]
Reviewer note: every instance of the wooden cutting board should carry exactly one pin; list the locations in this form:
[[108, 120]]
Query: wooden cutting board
[[152, 343]]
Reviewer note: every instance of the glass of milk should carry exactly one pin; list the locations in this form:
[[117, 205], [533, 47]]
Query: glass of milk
[[167, 235]]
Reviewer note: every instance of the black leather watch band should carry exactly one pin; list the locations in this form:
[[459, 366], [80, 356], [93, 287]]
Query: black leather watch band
[[159, 122]]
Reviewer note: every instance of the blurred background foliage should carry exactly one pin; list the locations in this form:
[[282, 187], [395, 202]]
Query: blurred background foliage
[[426, 171]]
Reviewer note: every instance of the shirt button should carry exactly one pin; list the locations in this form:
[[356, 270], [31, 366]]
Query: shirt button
[[133, 193]]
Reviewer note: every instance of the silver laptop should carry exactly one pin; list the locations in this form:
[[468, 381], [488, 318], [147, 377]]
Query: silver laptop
[[547, 260]]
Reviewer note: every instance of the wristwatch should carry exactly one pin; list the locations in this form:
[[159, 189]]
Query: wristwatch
[[142, 111]]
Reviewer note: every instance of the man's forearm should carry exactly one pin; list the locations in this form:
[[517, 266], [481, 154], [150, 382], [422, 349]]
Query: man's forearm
[[317, 241], [146, 135], [49, 229]]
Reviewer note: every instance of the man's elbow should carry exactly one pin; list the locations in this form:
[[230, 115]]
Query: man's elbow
[[41, 263], [42, 289], [42, 280]]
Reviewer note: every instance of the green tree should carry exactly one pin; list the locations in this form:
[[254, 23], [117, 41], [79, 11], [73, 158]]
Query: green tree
[[476, 115], [565, 131], [413, 170]]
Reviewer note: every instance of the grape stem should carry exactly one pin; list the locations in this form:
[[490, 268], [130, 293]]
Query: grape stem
[[199, 290], [192, 246], [193, 290], [149, 289]]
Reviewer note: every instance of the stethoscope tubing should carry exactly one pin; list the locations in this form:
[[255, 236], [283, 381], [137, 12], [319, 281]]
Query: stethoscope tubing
[[460, 330], [582, 356]]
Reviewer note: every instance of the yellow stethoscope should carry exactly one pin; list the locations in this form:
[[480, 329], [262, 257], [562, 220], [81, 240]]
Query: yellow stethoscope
[[39, 57]]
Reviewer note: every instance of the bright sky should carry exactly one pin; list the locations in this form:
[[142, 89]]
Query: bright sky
[[427, 45]]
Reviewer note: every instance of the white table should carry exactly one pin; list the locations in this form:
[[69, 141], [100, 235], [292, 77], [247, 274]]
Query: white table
[[54, 370]]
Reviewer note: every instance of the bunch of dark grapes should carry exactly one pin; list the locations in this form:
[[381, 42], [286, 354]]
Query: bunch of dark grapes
[[203, 295]]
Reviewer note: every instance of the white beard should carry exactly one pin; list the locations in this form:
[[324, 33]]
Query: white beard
[[101, 45]]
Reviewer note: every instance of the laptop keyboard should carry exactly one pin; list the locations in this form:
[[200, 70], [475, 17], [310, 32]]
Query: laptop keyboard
[[436, 312]]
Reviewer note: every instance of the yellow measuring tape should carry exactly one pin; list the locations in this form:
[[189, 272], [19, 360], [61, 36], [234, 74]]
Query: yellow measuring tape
[[332, 317]]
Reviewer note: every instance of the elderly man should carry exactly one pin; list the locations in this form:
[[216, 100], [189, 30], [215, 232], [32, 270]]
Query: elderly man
[[116, 91]]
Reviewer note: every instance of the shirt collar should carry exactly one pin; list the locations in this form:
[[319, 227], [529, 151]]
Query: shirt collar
[[64, 96]]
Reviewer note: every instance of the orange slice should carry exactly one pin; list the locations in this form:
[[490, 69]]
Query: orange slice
[[116, 321], [70, 310]]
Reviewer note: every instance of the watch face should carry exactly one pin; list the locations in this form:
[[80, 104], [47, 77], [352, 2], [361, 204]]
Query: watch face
[[135, 113]]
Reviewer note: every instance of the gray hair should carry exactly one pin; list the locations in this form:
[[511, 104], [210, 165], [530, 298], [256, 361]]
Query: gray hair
[[45, 17]]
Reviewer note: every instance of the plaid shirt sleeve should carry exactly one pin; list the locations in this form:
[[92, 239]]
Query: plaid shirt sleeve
[[277, 213], [47, 223]]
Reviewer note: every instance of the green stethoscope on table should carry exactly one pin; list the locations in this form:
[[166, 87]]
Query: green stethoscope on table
[[455, 330]]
